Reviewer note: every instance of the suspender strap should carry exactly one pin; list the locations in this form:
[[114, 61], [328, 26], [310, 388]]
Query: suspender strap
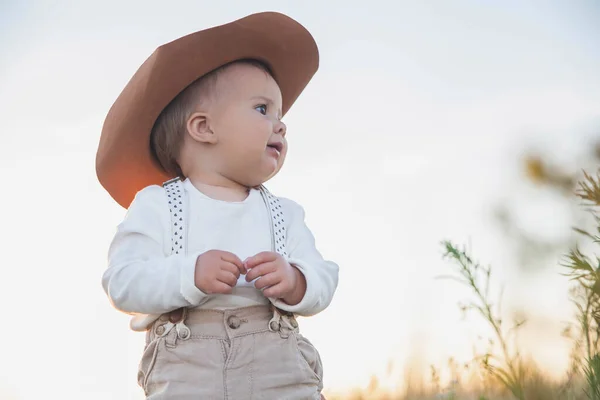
[[177, 201], [278, 231], [177, 208]]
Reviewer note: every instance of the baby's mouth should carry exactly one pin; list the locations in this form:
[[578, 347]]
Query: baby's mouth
[[276, 146]]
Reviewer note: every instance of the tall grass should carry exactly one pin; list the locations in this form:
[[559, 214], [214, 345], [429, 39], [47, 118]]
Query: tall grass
[[503, 373], [507, 367], [585, 272]]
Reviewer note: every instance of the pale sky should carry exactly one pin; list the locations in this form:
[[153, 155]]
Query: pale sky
[[409, 131]]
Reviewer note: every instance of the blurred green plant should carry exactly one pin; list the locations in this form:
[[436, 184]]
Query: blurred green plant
[[585, 272], [507, 368], [507, 373]]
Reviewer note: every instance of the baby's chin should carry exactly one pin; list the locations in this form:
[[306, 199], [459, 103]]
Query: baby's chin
[[257, 178], [271, 172], [255, 174]]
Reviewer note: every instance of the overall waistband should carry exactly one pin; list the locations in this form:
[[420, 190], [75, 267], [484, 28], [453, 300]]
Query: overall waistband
[[223, 324]]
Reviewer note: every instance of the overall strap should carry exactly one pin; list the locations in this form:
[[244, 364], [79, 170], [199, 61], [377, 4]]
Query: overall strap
[[280, 318], [177, 209], [278, 231], [177, 202]]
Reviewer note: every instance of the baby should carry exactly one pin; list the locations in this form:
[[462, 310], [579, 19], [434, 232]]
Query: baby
[[207, 261]]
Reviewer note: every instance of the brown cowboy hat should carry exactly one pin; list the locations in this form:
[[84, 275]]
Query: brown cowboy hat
[[124, 163]]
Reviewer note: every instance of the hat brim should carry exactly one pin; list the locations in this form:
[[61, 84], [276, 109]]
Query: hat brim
[[124, 164]]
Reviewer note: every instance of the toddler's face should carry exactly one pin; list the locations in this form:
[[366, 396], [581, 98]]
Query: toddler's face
[[246, 119]]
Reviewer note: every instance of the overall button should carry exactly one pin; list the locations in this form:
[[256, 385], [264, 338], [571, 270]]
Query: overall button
[[274, 326], [233, 322], [183, 332], [160, 330]]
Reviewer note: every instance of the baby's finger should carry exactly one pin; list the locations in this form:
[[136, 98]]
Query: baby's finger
[[221, 288], [229, 267], [227, 278], [267, 280], [260, 258], [275, 291], [260, 270], [233, 259]]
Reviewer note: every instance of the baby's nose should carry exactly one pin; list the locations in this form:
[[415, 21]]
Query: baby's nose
[[280, 128]]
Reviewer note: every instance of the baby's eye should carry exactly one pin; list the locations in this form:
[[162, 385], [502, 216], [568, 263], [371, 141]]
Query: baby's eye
[[261, 109]]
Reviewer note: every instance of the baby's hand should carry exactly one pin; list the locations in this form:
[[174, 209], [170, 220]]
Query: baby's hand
[[276, 277], [217, 271]]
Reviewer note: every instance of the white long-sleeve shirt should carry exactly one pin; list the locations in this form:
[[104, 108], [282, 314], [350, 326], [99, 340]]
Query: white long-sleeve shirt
[[145, 280]]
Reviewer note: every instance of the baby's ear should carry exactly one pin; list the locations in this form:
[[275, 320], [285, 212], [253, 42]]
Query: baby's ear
[[198, 127]]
